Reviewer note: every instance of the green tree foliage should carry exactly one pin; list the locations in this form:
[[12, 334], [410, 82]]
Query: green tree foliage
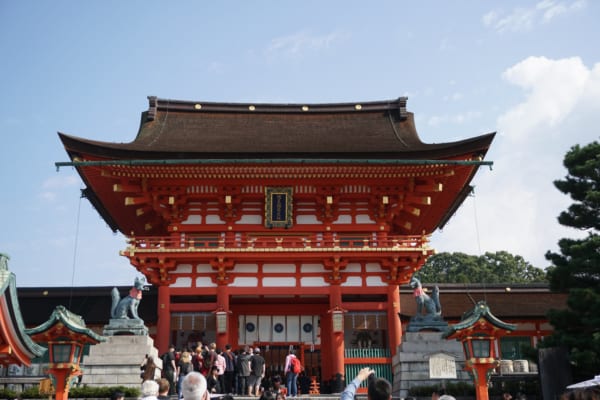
[[576, 269], [498, 267]]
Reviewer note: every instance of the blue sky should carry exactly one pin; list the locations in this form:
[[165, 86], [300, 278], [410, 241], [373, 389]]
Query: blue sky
[[529, 70]]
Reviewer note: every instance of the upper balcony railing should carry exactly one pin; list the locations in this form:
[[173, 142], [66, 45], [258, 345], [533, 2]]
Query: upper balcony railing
[[284, 242]]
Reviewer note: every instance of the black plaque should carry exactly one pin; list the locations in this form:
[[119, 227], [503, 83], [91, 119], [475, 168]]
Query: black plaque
[[278, 207]]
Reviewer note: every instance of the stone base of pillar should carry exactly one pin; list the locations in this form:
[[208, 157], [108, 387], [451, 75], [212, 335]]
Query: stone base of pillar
[[411, 364], [117, 361]]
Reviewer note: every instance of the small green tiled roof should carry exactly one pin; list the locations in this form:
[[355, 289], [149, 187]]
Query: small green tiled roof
[[72, 321], [470, 318]]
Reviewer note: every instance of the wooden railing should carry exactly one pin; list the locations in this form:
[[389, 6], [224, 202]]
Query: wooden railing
[[284, 242]]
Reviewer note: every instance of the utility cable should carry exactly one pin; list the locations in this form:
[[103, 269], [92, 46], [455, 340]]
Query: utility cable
[[75, 248]]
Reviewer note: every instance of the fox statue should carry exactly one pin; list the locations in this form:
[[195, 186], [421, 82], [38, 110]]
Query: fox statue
[[122, 307], [427, 307]]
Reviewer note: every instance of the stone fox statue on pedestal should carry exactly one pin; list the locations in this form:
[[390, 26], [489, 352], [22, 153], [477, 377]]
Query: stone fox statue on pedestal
[[427, 307], [129, 304]]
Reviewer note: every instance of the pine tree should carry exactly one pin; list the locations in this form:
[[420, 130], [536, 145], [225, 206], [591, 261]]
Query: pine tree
[[576, 269]]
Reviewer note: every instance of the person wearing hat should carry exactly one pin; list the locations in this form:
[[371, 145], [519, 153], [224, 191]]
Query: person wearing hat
[[257, 372]]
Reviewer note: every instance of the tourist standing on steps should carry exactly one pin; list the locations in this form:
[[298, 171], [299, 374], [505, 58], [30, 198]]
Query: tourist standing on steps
[[184, 367], [243, 366], [291, 377], [210, 358], [257, 372], [229, 369], [221, 364], [170, 368]]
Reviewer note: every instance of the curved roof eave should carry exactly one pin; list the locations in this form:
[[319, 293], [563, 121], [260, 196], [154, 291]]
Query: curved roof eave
[[77, 146]]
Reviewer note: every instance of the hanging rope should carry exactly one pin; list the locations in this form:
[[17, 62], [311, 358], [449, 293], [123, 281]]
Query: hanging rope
[[75, 247]]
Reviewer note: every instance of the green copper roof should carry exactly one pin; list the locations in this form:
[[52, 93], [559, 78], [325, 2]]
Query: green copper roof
[[470, 318], [8, 289], [72, 321]]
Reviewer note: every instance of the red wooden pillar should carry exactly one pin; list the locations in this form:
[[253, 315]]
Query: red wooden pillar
[[223, 305], [61, 376], [480, 372], [337, 338], [163, 325], [394, 325]]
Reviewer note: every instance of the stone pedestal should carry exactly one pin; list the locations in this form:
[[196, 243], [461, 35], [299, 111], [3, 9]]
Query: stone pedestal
[[411, 364], [125, 326], [117, 361]]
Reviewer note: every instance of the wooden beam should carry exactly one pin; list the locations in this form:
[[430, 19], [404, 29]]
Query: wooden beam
[[134, 201], [125, 188], [416, 199]]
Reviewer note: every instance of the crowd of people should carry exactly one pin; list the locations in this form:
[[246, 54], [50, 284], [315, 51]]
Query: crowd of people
[[194, 382], [225, 372]]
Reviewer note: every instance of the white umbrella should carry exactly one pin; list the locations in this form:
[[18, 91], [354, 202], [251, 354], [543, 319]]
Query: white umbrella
[[584, 384]]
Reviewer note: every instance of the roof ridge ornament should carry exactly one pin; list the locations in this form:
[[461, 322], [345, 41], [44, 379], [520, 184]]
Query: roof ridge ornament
[[4, 261], [152, 107]]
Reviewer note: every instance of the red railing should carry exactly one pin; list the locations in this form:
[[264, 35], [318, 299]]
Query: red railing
[[283, 242]]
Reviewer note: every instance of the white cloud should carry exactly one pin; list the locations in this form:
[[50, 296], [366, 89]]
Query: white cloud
[[552, 8], [523, 19], [299, 43], [517, 203], [552, 88]]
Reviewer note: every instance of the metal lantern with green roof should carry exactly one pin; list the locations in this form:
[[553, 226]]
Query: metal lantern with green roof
[[477, 330], [65, 334]]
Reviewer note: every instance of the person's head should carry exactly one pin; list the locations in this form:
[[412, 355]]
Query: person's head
[[213, 346], [149, 388], [379, 389], [193, 386], [447, 397], [257, 350], [214, 370], [118, 395], [163, 386], [227, 347]]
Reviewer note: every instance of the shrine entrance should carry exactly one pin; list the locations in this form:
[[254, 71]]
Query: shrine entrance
[[275, 354]]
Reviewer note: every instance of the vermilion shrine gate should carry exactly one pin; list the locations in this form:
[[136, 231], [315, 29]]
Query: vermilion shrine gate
[[279, 225]]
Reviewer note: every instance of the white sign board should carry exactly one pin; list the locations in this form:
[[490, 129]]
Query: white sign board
[[442, 366]]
